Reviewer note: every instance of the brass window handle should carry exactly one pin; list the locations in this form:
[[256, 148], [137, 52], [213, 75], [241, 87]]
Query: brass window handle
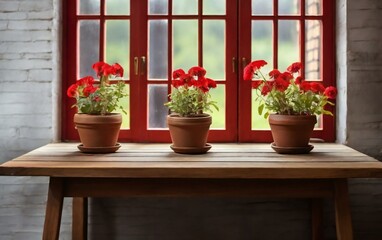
[[234, 64], [136, 66], [143, 65]]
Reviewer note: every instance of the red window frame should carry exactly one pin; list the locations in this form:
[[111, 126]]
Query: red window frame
[[238, 92]]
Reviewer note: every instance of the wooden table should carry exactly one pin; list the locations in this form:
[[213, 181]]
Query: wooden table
[[227, 170]]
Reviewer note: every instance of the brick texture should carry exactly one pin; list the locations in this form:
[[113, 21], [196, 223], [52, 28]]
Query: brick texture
[[27, 102]]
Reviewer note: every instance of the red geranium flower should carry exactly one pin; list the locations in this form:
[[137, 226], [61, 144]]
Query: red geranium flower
[[295, 67], [197, 71], [89, 90], [258, 64], [72, 91], [177, 73], [317, 87], [118, 70], [256, 84], [331, 92], [274, 73]]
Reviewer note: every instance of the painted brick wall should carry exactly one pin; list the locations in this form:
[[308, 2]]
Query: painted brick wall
[[29, 106], [28, 83]]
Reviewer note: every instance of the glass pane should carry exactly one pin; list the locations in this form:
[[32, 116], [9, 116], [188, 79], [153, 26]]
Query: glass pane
[[214, 7], [118, 44], [262, 7], [214, 48], [185, 7], [313, 50], [319, 123], [89, 6], [289, 7], [288, 46], [262, 44], [313, 7], [125, 103], [258, 121], [88, 46], [118, 7], [157, 113], [218, 117], [158, 6], [185, 44], [158, 49]]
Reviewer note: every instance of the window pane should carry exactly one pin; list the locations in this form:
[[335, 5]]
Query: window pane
[[185, 44], [218, 117], [185, 7], [262, 7], [214, 7], [157, 113], [158, 6], [289, 7], [118, 7], [214, 48], [262, 43], [258, 121], [125, 103], [158, 49], [89, 6], [118, 44], [88, 46], [313, 50], [313, 7], [288, 46]]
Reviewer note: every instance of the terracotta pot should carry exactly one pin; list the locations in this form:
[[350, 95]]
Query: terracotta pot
[[291, 131], [98, 131], [189, 134]]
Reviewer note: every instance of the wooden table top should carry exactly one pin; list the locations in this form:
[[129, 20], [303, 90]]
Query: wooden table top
[[256, 161]]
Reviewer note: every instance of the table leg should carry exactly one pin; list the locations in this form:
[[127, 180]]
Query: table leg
[[317, 229], [53, 209], [342, 209], [80, 218]]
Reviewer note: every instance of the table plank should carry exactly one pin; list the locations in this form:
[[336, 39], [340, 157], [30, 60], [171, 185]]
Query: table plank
[[223, 161]]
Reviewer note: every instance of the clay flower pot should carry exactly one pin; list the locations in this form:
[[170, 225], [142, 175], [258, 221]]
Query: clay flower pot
[[291, 133], [189, 134], [98, 133]]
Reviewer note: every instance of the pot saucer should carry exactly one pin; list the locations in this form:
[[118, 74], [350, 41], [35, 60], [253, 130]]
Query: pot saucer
[[98, 149], [191, 150], [292, 150]]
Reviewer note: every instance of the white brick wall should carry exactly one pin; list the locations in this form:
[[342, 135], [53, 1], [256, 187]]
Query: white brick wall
[[29, 117]]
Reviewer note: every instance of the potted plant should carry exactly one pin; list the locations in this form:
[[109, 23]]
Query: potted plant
[[189, 100], [291, 104], [97, 126]]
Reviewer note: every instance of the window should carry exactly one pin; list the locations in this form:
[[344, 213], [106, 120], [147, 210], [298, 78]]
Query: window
[[152, 38]]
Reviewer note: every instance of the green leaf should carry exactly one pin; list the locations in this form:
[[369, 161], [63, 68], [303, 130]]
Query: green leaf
[[260, 109]]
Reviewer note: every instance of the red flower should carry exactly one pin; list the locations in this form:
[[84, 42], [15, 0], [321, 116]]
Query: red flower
[[118, 70], [274, 73], [298, 80], [98, 68], [186, 79], [295, 67], [258, 64], [177, 73], [211, 83], [256, 84], [177, 83], [248, 72], [72, 91], [286, 76], [305, 86], [280, 84], [108, 70], [89, 90], [267, 87], [88, 80], [330, 92], [197, 71], [317, 87]]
